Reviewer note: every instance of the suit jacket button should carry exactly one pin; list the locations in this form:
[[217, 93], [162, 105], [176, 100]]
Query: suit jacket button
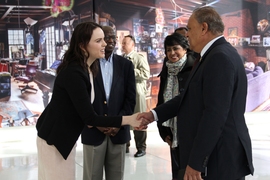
[[105, 102], [105, 114]]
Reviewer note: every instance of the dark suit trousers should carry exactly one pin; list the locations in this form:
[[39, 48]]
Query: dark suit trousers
[[242, 178], [140, 139], [174, 161]]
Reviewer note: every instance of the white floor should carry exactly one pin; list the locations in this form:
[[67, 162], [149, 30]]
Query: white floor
[[18, 159]]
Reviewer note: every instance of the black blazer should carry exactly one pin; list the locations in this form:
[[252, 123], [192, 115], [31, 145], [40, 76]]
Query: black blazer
[[69, 110], [211, 125], [182, 79], [122, 101]]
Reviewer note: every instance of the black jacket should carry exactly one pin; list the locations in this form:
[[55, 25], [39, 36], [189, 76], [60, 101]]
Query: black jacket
[[182, 78], [69, 110], [122, 101], [212, 132]]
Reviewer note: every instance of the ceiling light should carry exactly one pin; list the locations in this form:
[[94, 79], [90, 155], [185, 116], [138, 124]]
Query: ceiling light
[[30, 22]]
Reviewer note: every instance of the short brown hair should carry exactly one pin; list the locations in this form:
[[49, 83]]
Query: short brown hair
[[131, 37]]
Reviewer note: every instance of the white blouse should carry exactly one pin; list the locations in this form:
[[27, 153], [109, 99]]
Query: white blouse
[[92, 89]]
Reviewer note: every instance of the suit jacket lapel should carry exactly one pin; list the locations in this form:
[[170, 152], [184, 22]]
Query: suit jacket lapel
[[116, 71], [99, 81]]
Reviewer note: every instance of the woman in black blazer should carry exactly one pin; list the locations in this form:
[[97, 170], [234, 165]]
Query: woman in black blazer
[[175, 71], [70, 108]]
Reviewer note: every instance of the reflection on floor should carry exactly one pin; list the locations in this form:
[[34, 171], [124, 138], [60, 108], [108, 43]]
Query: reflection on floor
[[264, 106], [18, 158]]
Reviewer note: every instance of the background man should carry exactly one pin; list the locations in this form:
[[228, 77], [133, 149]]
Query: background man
[[181, 30], [212, 133], [115, 94], [142, 74]]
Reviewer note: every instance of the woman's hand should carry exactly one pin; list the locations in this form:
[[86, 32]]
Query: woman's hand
[[147, 118], [132, 120]]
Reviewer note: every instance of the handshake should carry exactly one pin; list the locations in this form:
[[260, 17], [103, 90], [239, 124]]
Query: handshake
[[139, 120]]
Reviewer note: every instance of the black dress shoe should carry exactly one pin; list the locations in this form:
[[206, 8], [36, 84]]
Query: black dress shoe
[[127, 150], [139, 153]]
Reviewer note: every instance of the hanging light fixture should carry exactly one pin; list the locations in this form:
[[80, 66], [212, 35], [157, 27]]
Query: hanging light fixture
[[29, 22]]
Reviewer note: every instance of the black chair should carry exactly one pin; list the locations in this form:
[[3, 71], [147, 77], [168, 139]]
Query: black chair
[[20, 67], [30, 73], [262, 65], [23, 61]]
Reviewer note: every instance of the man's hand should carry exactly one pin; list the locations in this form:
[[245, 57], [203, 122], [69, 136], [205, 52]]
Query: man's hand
[[192, 174], [146, 118], [168, 140], [111, 131], [103, 129]]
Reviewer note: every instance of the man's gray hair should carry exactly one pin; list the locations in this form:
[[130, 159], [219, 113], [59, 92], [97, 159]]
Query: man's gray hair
[[210, 16]]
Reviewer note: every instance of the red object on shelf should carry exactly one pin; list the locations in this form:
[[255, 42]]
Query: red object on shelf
[[3, 67]]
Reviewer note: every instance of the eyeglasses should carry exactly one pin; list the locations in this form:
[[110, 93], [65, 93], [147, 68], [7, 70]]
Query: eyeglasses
[[107, 38]]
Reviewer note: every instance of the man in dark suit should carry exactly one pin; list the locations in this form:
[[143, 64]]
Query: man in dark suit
[[213, 137], [115, 94]]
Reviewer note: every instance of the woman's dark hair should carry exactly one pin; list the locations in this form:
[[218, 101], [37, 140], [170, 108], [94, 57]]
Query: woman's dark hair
[[79, 41], [176, 39]]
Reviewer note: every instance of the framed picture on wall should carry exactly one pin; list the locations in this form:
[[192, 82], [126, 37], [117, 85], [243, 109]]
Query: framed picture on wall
[[233, 40], [255, 39], [244, 41], [266, 41], [232, 31]]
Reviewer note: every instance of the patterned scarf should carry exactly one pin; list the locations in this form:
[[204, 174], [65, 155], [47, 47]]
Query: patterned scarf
[[172, 90]]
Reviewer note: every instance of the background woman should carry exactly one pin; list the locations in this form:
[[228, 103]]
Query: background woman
[[175, 71]]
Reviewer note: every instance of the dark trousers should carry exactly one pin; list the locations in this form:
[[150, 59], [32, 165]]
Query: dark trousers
[[140, 140], [174, 161], [243, 178]]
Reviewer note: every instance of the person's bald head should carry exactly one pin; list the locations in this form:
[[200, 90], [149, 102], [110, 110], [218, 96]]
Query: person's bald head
[[182, 30], [107, 29], [110, 39]]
